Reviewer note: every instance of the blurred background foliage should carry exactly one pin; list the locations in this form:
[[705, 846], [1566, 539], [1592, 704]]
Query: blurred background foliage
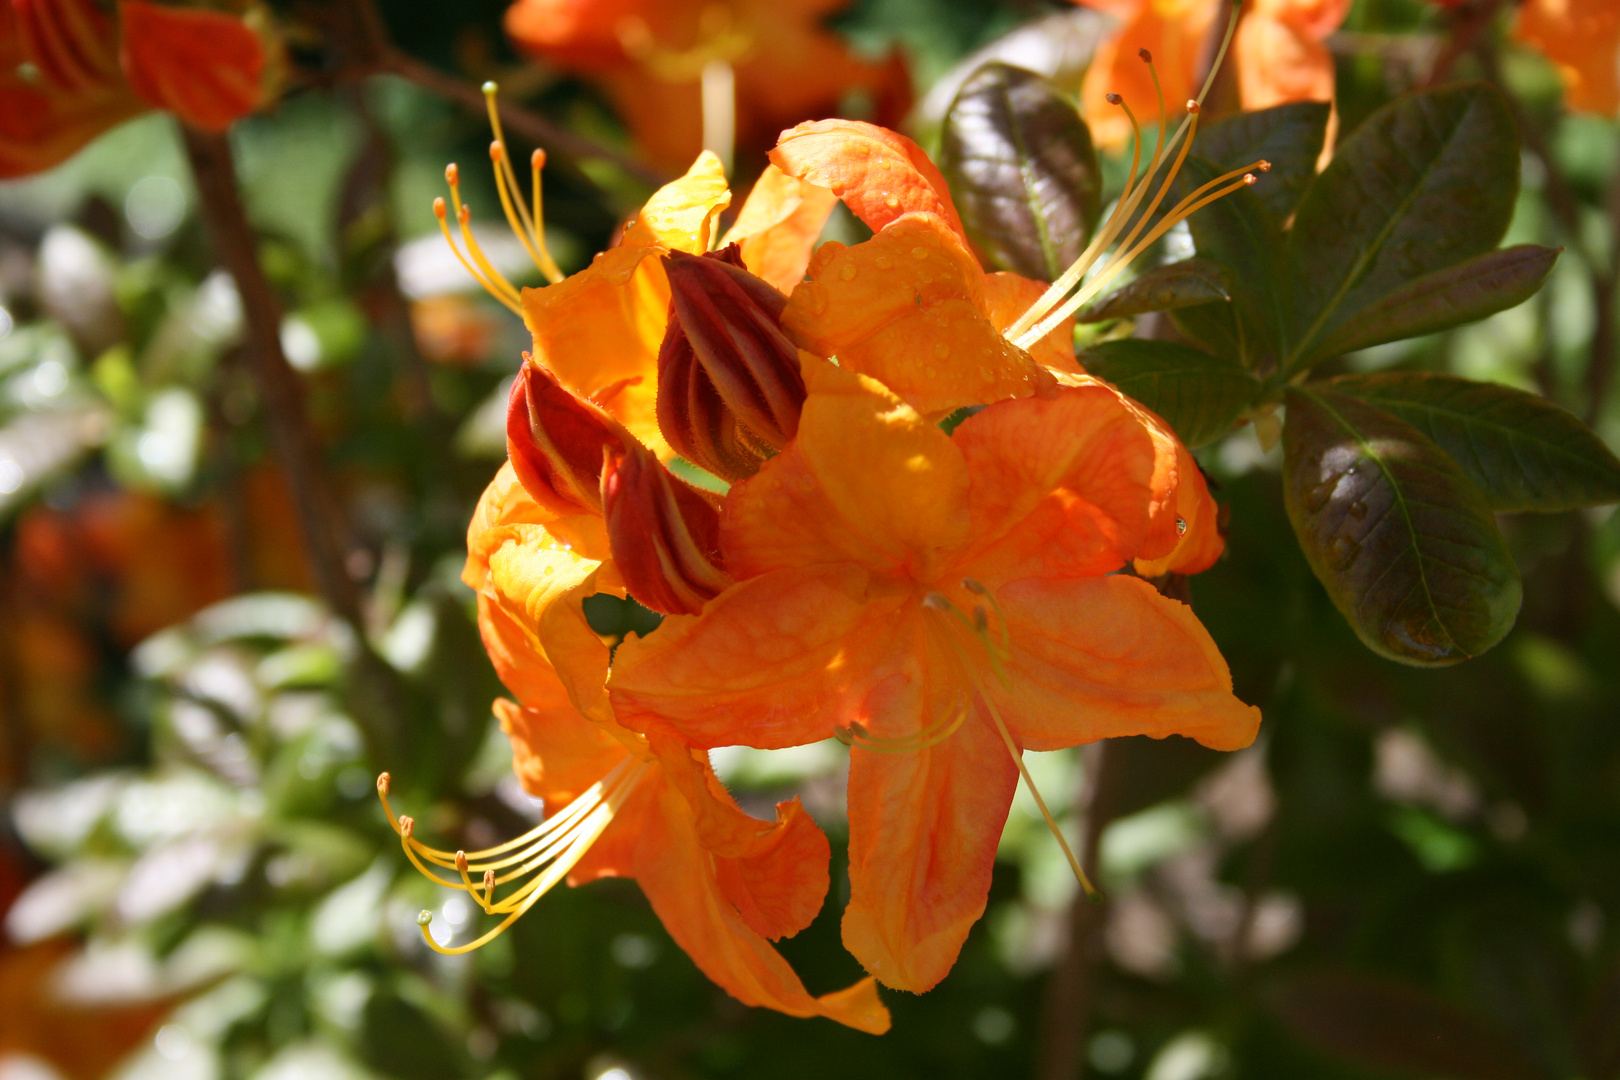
[[1413, 873]]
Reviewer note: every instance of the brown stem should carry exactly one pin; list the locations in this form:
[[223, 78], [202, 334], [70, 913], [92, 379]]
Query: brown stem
[[320, 524], [1469, 22], [1071, 991]]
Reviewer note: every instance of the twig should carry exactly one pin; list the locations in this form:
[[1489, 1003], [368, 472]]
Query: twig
[[319, 522], [1469, 21], [1071, 991]]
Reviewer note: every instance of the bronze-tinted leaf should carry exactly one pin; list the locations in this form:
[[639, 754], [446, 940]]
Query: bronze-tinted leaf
[[1022, 170], [1198, 394], [1399, 535]]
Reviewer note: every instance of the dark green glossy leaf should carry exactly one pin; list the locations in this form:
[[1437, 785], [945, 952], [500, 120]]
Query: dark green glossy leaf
[[1240, 233], [1458, 294], [1394, 529], [1178, 285], [1523, 451], [1022, 170], [1425, 183], [1288, 136], [1199, 395]]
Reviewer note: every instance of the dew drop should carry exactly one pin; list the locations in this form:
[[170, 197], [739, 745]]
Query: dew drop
[[1343, 551], [941, 350], [847, 272], [883, 262], [891, 201], [929, 371], [926, 279], [919, 253], [1357, 510], [550, 570], [1181, 526]]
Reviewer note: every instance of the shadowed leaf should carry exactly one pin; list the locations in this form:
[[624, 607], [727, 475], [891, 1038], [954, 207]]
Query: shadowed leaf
[[1523, 451], [1198, 394], [1425, 183], [1289, 136], [1472, 290], [1177, 285], [1022, 170], [1394, 529]]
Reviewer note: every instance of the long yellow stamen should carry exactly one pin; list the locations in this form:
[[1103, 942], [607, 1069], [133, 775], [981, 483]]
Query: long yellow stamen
[[529, 230], [856, 734], [556, 845], [998, 653], [440, 212], [1051, 309]]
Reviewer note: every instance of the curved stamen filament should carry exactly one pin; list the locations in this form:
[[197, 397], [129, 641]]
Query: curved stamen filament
[[856, 734], [1040, 313], [557, 845], [527, 228], [940, 605], [1201, 197]]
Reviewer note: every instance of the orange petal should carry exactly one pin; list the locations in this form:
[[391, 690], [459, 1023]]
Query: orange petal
[[1582, 39], [1095, 658], [579, 33], [1061, 486], [681, 214], [504, 501], [1007, 296], [880, 174], [1201, 542], [779, 660], [556, 752], [680, 882], [40, 129], [866, 480], [778, 226], [599, 331], [907, 308], [203, 66], [923, 829], [775, 875], [1277, 63]]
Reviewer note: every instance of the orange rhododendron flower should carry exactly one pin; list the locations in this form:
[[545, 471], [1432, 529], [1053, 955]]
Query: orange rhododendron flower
[[649, 56], [946, 602], [68, 72], [1582, 38], [940, 602], [1278, 53]]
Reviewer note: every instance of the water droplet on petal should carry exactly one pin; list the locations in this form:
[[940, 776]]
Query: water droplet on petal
[[883, 262], [891, 201], [919, 253], [1181, 526], [847, 272], [941, 350]]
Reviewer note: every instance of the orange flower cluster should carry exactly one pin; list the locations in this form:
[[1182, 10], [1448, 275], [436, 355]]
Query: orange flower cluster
[[939, 600], [1278, 54], [68, 72], [1582, 39], [649, 55]]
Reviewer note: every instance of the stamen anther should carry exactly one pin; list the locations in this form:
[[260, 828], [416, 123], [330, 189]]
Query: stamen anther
[[1263, 165], [1147, 57], [407, 825], [423, 918], [1193, 106], [461, 861], [1249, 179], [1113, 99], [382, 783]]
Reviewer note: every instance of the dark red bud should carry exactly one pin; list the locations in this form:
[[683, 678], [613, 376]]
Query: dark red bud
[[665, 534], [556, 440], [729, 387]]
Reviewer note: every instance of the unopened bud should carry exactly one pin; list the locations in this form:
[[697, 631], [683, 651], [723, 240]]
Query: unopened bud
[[556, 439], [665, 534], [729, 386]]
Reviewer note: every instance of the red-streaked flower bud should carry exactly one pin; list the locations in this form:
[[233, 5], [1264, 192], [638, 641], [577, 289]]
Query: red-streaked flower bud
[[729, 387], [665, 533], [556, 440]]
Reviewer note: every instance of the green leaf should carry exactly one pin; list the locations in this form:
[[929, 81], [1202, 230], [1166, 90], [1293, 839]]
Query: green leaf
[[1239, 232], [1288, 136], [1523, 451], [1022, 170], [1425, 183], [1177, 285], [1199, 395], [1458, 294], [1394, 529]]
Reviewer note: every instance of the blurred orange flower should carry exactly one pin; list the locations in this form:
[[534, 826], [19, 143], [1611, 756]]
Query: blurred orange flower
[[648, 56], [1278, 53], [1582, 39], [68, 72]]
